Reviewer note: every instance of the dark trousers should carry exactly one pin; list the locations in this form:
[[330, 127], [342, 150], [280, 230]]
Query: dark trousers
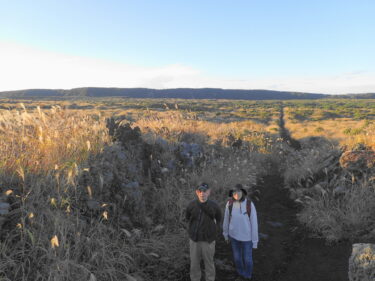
[[243, 257]]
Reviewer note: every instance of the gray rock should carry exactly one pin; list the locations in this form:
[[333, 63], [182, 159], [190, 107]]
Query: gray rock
[[121, 155], [118, 197], [263, 236], [4, 206], [162, 142], [189, 153], [182, 181], [132, 168], [171, 165], [275, 223], [148, 221], [158, 228], [125, 221], [224, 265], [362, 262], [133, 185], [4, 211], [164, 170], [339, 190], [93, 205], [2, 221]]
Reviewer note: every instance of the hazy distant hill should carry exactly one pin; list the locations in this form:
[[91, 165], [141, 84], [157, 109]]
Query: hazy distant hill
[[181, 93], [357, 96]]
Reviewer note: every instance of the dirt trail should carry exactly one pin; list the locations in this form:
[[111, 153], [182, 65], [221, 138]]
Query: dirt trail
[[284, 133], [286, 251]]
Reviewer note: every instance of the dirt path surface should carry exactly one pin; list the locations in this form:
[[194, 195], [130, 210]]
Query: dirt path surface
[[286, 252]]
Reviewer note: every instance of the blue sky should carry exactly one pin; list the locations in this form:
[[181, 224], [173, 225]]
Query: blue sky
[[315, 46]]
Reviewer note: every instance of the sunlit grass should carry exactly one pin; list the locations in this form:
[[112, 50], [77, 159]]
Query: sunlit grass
[[46, 150], [45, 139], [346, 131]]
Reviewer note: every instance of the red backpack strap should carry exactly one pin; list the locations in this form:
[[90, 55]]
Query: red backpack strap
[[230, 207]]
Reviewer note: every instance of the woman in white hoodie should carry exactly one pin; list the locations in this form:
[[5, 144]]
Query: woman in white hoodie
[[240, 227]]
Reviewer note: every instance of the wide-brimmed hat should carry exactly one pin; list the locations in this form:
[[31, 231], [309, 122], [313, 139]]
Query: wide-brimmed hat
[[238, 187]]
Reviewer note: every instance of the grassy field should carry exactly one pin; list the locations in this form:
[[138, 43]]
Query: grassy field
[[345, 121], [86, 198]]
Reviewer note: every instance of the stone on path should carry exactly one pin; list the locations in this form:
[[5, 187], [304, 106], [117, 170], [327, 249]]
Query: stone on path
[[275, 223], [224, 265]]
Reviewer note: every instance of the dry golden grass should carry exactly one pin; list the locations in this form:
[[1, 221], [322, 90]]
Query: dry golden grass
[[351, 216], [346, 131], [52, 238], [44, 140], [53, 235], [172, 124]]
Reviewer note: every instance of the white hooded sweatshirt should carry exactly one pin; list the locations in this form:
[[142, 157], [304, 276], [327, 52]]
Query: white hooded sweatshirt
[[241, 227]]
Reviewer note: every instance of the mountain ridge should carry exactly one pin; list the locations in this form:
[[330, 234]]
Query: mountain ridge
[[180, 93]]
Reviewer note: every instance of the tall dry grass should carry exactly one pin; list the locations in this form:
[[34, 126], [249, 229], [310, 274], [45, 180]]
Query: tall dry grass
[[51, 234], [349, 215], [174, 125], [336, 204], [45, 236], [44, 140]]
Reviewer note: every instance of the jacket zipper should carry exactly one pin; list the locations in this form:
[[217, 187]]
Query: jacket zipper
[[199, 222]]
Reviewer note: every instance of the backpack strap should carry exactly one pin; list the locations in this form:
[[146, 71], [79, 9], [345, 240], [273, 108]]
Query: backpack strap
[[204, 211], [248, 207], [230, 207]]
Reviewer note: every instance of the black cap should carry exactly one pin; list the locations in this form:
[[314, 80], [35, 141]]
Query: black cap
[[203, 187]]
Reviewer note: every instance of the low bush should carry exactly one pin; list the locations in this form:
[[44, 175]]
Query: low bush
[[348, 215], [304, 167]]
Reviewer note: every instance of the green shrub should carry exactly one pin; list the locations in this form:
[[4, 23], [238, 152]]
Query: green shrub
[[353, 131]]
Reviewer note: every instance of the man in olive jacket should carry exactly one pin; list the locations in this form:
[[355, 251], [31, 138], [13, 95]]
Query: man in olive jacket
[[204, 217]]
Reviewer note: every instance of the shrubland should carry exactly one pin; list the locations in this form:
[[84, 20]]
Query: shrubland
[[89, 198], [332, 176], [96, 190], [335, 189]]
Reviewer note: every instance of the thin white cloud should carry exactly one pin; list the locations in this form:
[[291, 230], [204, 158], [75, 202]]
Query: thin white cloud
[[335, 84], [23, 68], [27, 68]]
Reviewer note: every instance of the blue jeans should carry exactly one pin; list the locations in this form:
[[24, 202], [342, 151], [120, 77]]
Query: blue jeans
[[243, 256]]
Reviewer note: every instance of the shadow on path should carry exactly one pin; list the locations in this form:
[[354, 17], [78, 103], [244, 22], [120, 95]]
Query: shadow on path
[[286, 252], [284, 133]]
